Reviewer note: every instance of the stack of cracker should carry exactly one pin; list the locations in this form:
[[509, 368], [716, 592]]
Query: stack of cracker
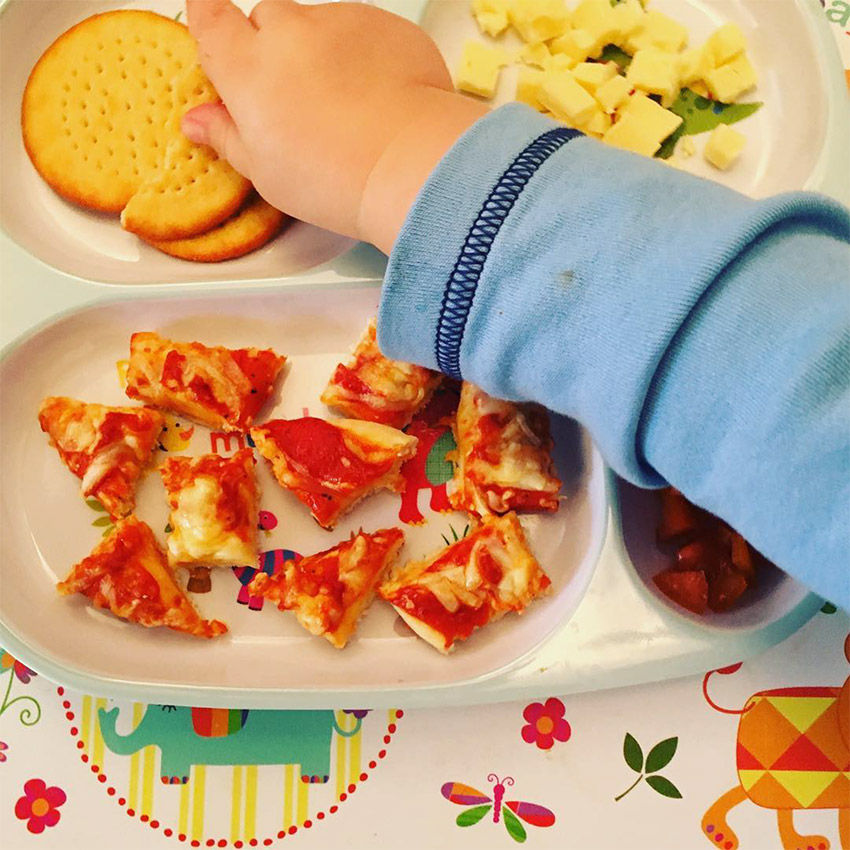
[[101, 123]]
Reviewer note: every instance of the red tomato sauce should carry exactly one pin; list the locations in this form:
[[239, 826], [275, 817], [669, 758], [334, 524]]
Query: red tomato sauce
[[423, 605], [232, 475], [319, 450], [116, 426], [261, 368], [173, 379]]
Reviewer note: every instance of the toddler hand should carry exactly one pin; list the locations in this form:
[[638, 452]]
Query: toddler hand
[[337, 113]]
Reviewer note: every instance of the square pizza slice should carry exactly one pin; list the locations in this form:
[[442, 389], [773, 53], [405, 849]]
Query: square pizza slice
[[106, 447], [331, 464], [374, 388], [214, 510], [329, 591], [127, 573], [221, 387], [504, 456], [475, 581]]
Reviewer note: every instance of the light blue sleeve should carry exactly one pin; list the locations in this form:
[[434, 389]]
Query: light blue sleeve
[[702, 337]]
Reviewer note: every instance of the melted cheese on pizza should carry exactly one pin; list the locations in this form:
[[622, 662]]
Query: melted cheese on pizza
[[128, 575], [374, 388], [220, 387], [214, 508], [504, 456], [329, 591], [106, 447], [331, 464], [472, 582]]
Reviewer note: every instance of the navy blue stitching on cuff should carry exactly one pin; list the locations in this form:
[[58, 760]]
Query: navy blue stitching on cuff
[[463, 281]]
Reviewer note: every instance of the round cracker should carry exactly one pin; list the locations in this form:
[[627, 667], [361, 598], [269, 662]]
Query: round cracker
[[192, 190], [96, 102], [251, 228]]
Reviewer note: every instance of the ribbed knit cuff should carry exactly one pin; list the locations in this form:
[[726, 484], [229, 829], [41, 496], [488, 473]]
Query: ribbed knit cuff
[[438, 226]]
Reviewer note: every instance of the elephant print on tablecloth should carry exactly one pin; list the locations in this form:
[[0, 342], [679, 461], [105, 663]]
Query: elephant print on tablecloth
[[793, 752], [221, 736]]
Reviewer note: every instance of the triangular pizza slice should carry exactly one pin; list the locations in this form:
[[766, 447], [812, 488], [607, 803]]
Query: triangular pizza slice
[[106, 447], [373, 387], [214, 505], [329, 591], [331, 464], [127, 573], [220, 387], [475, 581], [504, 456]]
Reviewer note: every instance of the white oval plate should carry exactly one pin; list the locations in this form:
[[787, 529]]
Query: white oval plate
[[47, 527], [92, 245], [797, 140]]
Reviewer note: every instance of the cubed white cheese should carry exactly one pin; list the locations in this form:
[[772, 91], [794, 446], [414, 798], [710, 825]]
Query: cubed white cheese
[[627, 18], [599, 124], [654, 71], [563, 96], [614, 93], [479, 68], [576, 44], [591, 75], [725, 43], [658, 121], [730, 81], [535, 55], [630, 134], [539, 20], [724, 146], [596, 17], [655, 29], [528, 85]]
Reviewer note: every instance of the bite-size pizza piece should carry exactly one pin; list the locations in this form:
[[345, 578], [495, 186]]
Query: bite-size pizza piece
[[331, 464], [504, 456], [470, 583], [127, 573], [329, 592], [221, 387], [214, 508], [106, 447], [374, 388]]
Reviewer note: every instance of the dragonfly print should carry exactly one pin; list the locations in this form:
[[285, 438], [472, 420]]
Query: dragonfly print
[[509, 812]]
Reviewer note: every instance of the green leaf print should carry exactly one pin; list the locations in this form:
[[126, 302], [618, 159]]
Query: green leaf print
[[664, 787], [471, 816], [515, 829], [101, 521], [632, 753], [95, 505], [660, 755], [701, 115], [612, 53]]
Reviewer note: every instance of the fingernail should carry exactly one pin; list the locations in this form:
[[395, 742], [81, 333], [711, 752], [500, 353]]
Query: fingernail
[[193, 128]]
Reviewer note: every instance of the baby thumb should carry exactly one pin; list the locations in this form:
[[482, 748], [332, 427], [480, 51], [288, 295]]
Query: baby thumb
[[211, 124]]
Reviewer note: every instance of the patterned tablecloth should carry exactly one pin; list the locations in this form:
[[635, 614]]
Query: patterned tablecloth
[[756, 756]]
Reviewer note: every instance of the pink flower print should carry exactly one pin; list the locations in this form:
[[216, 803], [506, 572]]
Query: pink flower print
[[546, 723], [39, 806], [21, 670], [3, 747]]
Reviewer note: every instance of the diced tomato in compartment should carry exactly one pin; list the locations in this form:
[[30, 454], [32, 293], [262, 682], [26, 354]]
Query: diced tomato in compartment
[[688, 588]]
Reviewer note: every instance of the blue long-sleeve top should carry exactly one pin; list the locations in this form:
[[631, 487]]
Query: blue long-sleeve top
[[700, 336]]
